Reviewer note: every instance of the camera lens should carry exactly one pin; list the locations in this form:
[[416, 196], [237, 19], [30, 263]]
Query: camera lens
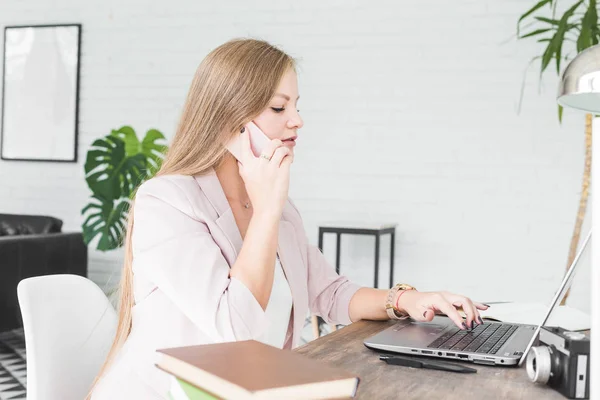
[[539, 364]]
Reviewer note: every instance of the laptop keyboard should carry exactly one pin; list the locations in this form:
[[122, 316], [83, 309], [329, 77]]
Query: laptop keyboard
[[486, 338]]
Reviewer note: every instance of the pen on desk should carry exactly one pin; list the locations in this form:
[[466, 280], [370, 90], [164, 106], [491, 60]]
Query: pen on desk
[[430, 364]]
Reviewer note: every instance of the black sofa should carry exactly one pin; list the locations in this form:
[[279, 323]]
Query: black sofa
[[33, 245]]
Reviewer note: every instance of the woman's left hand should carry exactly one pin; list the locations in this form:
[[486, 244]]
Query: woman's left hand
[[422, 306]]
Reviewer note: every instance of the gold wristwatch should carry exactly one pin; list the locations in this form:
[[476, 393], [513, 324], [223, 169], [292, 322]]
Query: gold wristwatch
[[390, 307]]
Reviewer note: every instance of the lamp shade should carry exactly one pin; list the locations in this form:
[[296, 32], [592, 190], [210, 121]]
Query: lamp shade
[[580, 84]]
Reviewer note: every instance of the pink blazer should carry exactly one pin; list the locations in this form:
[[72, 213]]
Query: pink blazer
[[185, 240]]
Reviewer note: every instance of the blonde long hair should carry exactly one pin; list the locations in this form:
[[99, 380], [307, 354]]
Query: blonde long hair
[[232, 85]]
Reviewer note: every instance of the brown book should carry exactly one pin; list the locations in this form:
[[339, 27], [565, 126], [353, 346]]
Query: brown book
[[253, 370]]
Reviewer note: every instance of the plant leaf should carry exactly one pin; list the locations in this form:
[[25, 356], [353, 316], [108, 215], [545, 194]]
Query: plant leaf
[[153, 150], [560, 113], [534, 33], [110, 173], [109, 153], [593, 22], [531, 11], [115, 167], [589, 24], [563, 27], [585, 38], [548, 20], [548, 53], [107, 220], [127, 134]]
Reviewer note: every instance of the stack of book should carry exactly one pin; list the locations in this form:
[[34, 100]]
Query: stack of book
[[251, 370]]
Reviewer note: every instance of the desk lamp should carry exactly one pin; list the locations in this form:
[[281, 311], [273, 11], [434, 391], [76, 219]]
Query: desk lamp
[[579, 89]]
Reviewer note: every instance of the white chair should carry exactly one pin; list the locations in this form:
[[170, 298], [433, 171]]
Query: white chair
[[69, 325]]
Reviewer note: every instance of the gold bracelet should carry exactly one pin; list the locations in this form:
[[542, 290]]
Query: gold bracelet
[[392, 311]]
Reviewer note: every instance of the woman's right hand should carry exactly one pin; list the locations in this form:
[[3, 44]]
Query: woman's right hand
[[267, 180]]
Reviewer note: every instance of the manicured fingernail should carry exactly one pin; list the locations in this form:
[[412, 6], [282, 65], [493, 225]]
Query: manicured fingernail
[[243, 130], [464, 325], [425, 314], [480, 320], [487, 305], [472, 324]]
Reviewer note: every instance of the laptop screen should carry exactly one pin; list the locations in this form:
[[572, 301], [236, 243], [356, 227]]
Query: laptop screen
[[564, 286]]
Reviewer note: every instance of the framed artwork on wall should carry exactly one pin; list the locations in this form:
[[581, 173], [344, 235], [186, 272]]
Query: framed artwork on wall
[[40, 93]]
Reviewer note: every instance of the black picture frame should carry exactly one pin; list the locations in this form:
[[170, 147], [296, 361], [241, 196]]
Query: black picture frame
[[73, 134]]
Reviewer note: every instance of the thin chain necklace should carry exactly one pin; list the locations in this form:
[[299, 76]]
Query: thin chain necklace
[[245, 204]]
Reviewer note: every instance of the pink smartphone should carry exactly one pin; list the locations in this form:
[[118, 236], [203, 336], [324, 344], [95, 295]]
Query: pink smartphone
[[258, 141]]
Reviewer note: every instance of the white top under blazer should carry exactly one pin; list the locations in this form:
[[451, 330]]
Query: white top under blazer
[[278, 310]]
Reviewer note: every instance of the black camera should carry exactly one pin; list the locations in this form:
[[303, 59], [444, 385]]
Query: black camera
[[562, 361]]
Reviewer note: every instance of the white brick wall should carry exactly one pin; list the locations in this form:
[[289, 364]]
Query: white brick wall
[[410, 117]]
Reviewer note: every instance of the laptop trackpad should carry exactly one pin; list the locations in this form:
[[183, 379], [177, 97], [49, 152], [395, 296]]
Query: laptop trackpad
[[420, 334]]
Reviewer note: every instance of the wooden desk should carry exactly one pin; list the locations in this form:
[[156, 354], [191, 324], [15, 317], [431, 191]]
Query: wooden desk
[[344, 348]]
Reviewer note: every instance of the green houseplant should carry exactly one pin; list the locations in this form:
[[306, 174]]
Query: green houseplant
[[115, 166], [563, 37]]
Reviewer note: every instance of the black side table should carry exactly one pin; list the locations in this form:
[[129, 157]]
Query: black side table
[[361, 229]]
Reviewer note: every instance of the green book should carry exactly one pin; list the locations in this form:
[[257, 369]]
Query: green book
[[181, 390]]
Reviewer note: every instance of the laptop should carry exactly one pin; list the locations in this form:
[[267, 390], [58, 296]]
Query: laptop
[[492, 343]]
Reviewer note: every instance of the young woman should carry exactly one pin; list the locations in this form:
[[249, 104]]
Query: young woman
[[216, 251]]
